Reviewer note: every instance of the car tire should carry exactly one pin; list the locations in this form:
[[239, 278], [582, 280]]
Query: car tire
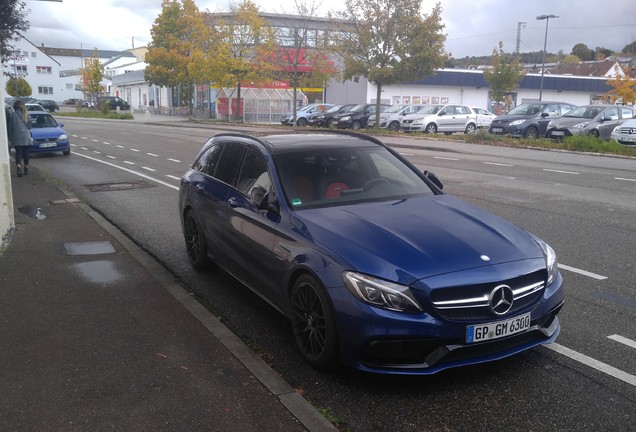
[[356, 125], [594, 133], [431, 128], [471, 128], [394, 126], [301, 122], [531, 133], [448, 133], [313, 323], [196, 247], [329, 123]]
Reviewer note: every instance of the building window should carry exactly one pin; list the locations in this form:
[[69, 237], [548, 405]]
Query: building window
[[33, 54], [43, 70], [69, 86], [21, 70], [45, 90]]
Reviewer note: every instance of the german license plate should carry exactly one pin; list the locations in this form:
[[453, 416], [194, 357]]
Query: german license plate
[[497, 329], [630, 138], [497, 130], [49, 144], [558, 133]]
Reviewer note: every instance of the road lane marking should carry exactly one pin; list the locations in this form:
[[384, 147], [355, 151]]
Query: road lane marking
[[84, 138], [624, 179], [593, 363], [111, 157], [152, 154], [445, 158], [582, 272], [174, 160], [498, 164], [129, 162], [74, 136], [84, 148], [97, 152], [148, 169], [561, 172], [623, 340], [135, 150], [119, 146], [406, 154], [147, 177], [94, 140], [173, 177], [105, 142]]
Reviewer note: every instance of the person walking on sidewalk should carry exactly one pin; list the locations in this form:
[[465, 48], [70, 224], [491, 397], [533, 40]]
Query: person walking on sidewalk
[[19, 129]]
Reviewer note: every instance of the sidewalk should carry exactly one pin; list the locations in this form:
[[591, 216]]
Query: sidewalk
[[96, 335]]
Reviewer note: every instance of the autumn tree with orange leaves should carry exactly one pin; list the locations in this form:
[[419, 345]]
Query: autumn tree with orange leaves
[[624, 86]]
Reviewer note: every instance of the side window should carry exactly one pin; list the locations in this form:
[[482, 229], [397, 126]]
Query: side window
[[627, 112], [207, 162], [229, 162], [612, 113], [552, 110], [254, 178], [461, 110]]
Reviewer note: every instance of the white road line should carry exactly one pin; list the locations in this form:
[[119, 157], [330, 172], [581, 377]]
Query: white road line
[[595, 364], [623, 340], [129, 162], [111, 157], [94, 140], [104, 142], [173, 177], [148, 169], [406, 154], [445, 158], [84, 148], [74, 136], [498, 164], [135, 150], [582, 272], [561, 172], [84, 138], [624, 179], [147, 177], [174, 160], [97, 152], [119, 146], [152, 154]]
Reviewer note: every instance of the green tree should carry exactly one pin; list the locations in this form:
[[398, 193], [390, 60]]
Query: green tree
[[582, 51], [18, 86], [504, 75], [244, 50], [92, 74], [305, 62], [389, 41], [179, 35], [630, 48], [570, 59], [13, 14]]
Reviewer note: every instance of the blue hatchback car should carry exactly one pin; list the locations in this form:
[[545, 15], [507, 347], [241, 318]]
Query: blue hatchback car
[[372, 263], [48, 135]]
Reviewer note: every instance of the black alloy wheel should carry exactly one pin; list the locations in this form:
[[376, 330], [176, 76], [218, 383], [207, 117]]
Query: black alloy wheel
[[394, 126], [594, 133], [531, 133], [195, 243], [302, 122], [313, 323], [329, 122], [356, 125]]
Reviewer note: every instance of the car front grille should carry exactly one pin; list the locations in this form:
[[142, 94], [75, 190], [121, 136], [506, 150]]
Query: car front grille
[[472, 302], [628, 131]]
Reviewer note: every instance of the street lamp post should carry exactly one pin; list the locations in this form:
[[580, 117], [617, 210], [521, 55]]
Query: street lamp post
[[545, 43]]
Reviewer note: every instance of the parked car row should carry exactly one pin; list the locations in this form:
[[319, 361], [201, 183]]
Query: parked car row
[[46, 104]]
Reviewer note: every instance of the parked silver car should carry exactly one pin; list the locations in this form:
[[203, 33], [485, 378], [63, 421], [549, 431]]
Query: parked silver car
[[484, 117], [392, 117], [625, 133], [441, 118], [594, 120]]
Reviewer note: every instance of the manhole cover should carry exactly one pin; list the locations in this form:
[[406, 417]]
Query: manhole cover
[[101, 187], [89, 248]]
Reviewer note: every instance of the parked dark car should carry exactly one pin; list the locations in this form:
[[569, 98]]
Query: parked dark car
[[73, 101], [49, 105], [372, 263], [114, 102], [325, 119], [594, 120], [48, 135], [528, 120], [303, 113], [357, 117]]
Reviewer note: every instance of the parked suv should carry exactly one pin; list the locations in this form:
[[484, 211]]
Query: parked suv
[[358, 117], [625, 133], [113, 102], [391, 118], [441, 118], [528, 120], [49, 105], [595, 120]]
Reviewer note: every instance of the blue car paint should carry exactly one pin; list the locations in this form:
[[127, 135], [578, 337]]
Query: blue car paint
[[46, 135]]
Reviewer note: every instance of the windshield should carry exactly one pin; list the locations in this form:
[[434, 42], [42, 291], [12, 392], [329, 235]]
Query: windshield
[[395, 108], [587, 112], [336, 176], [334, 109], [432, 109], [42, 121], [526, 109], [359, 108]]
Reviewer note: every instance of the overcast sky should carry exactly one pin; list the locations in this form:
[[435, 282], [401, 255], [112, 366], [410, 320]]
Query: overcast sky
[[473, 27]]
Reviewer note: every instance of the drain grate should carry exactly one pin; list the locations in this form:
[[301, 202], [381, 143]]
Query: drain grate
[[101, 187], [89, 248]]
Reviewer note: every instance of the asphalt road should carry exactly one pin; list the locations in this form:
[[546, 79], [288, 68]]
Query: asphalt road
[[583, 205]]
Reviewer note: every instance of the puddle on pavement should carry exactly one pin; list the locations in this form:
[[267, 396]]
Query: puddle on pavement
[[101, 272], [32, 212], [89, 248]]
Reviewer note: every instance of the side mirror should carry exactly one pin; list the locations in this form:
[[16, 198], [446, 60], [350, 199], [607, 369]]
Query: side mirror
[[432, 177], [545, 114], [442, 113], [60, 124]]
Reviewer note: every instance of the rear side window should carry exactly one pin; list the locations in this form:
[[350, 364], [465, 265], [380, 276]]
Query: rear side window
[[208, 160], [229, 162], [627, 112]]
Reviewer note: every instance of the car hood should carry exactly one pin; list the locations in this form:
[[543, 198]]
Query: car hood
[[509, 118], [416, 238], [562, 122], [47, 132], [418, 116]]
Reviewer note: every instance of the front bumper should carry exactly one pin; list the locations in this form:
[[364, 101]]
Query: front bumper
[[559, 134], [45, 146]]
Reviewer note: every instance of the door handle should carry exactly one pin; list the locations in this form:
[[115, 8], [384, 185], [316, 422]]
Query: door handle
[[233, 202], [200, 188]]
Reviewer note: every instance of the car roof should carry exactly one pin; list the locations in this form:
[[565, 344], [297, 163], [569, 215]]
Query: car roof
[[292, 142]]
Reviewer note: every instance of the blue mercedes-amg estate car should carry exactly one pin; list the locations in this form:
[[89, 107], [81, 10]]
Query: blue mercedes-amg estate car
[[372, 263]]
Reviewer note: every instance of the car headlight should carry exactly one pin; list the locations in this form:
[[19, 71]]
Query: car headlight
[[63, 137], [517, 122], [550, 259], [581, 125], [550, 124], [418, 121], [381, 293], [346, 118], [616, 130]]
